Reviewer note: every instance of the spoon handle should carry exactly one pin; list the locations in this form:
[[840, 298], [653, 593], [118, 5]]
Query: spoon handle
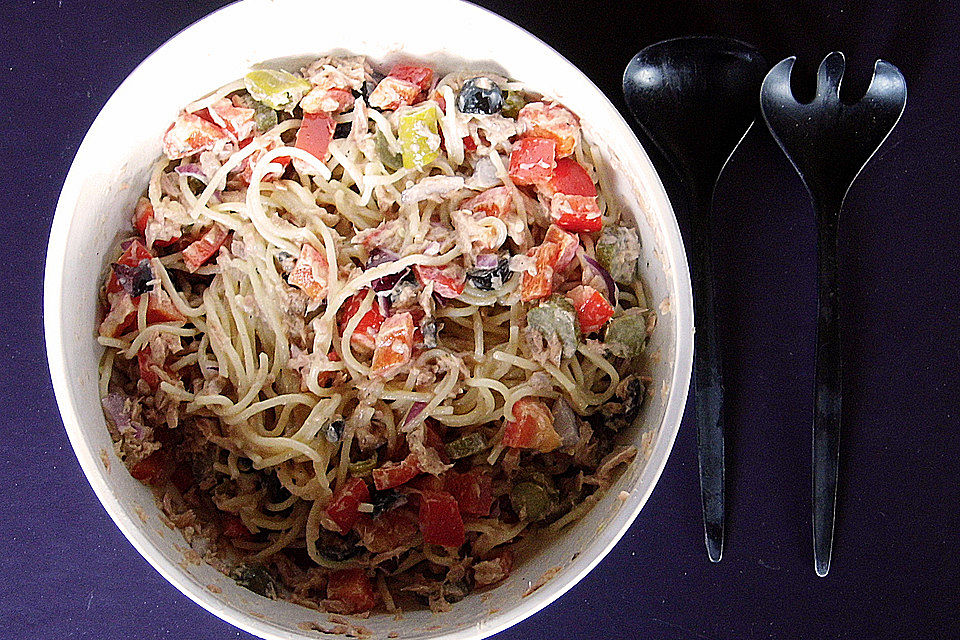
[[708, 384], [827, 393]]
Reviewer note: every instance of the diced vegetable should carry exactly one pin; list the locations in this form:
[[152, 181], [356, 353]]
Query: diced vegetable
[[579, 214], [539, 284], [531, 427], [551, 258], [363, 467], [199, 251], [556, 316], [276, 88], [618, 250], [533, 160], [419, 136], [353, 589], [190, 134], [394, 474], [567, 243], [551, 121], [512, 104], [466, 446], [390, 160], [593, 310], [152, 369], [473, 491], [530, 500], [422, 77], [239, 121], [495, 202], [310, 272], [264, 116], [570, 178], [343, 509], [315, 134], [440, 521], [402, 86], [329, 100], [595, 275], [142, 214], [626, 334], [365, 335], [394, 345], [480, 95], [447, 281], [151, 469]]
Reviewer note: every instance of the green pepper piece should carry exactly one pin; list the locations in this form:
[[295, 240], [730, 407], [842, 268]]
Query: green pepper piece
[[618, 251], [276, 88], [390, 160], [419, 137], [530, 500], [626, 334], [363, 467], [466, 446], [512, 104], [557, 316]]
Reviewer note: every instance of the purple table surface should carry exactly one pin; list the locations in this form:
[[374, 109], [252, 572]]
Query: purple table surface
[[69, 573]]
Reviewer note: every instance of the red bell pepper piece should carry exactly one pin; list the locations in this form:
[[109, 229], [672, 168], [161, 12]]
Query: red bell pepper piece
[[151, 469], [394, 474], [440, 521], [353, 589], [579, 214], [311, 272], [473, 491], [343, 509], [207, 246], [570, 178], [531, 427], [315, 134], [190, 134], [448, 281], [422, 77], [394, 345], [533, 160], [551, 121], [233, 527], [365, 335], [593, 310], [131, 257]]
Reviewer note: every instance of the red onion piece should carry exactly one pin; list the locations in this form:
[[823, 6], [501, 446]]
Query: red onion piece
[[611, 291], [415, 411], [386, 283], [487, 261], [565, 423], [192, 170]]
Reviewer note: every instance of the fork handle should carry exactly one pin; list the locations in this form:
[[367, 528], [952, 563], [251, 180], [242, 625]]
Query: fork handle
[[708, 383], [828, 391]]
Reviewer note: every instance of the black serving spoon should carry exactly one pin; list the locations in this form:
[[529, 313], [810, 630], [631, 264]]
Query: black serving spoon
[[829, 143], [696, 98]]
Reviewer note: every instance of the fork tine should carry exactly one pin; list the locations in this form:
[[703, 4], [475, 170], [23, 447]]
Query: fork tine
[[887, 79], [775, 89], [829, 76]]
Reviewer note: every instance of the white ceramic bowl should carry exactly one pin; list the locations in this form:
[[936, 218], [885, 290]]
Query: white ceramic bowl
[[111, 170]]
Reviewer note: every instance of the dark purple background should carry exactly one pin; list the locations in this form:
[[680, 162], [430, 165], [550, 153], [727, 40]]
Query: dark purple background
[[69, 573]]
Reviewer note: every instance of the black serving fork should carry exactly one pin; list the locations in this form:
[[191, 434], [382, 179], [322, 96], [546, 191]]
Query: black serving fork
[[829, 143]]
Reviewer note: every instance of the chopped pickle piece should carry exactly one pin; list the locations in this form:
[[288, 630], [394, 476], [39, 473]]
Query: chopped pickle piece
[[512, 104], [557, 316], [363, 467], [419, 136], [618, 250], [626, 334], [530, 500], [390, 160], [275, 88], [466, 446]]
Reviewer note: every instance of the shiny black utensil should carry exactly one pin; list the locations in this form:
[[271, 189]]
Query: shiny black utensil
[[695, 98], [829, 143]]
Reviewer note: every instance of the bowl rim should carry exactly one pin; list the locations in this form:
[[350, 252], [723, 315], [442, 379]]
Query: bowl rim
[[682, 306]]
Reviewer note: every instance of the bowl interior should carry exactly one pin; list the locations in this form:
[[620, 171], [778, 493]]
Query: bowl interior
[[111, 170]]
